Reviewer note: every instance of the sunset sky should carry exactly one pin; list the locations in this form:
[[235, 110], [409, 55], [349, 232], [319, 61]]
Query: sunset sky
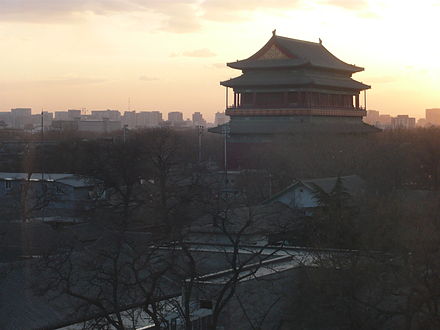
[[170, 55]]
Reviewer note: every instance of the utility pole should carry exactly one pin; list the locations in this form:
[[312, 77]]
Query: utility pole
[[270, 185], [42, 164], [124, 131], [200, 134], [42, 145], [225, 131]]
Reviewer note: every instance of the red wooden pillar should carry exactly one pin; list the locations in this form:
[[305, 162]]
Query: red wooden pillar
[[357, 101], [227, 94], [235, 99]]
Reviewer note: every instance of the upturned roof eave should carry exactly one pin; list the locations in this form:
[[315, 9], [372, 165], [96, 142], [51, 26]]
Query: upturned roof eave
[[230, 83], [254, 64], [284, 45], [266, 64]]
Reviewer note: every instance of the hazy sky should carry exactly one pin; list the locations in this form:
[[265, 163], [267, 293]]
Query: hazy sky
[[170, 54]]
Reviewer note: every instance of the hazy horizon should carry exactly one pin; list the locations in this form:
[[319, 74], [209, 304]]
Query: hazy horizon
[[171, 55]]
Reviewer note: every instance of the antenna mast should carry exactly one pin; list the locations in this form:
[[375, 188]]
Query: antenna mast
[[42, 164]]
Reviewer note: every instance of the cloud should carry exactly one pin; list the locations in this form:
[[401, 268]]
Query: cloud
[[382, 79], [61, 7], [219, 65], [349, 4], [178, 16], [226, 10], [204, 52], [147, 78], [52, 10], [70, 81], [60, 81]]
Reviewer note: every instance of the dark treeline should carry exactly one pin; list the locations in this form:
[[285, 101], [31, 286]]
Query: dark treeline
[[75, 153], [388, 160]]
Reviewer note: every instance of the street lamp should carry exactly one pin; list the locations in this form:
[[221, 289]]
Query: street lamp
[[200, 130], [225, 131]]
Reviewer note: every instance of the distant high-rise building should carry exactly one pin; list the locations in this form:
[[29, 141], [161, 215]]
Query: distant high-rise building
[[422, 122], [372, 117], [155, 119], [21, 117], [5, 119], [384, 121], [148, 119], [175, 118], [129, 119], [98, 126], [197, 119], [113, 115], [403, 121], [47, 119], [73, 114], [221, 118], [433, 116], [61, 115]]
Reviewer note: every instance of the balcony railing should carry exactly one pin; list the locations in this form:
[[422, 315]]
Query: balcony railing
[[292, 106], [298, 111]]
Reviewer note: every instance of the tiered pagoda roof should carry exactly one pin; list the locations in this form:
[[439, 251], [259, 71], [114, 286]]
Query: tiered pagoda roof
[[282, 52], [290, 62], [287, 78]]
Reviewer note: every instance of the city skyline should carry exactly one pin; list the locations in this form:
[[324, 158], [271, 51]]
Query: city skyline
[[171, 55]]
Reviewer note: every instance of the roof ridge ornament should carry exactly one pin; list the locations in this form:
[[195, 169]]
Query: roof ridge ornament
[[320, 41], [274, 32]]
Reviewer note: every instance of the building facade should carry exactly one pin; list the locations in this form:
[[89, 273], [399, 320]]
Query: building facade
[[197, 119], [148, 119], [220, 118], [21, 117], [175, 118], [433, 116], [403, 121], [113, 115]]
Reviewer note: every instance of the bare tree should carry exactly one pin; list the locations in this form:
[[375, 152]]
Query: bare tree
[[118, 282]]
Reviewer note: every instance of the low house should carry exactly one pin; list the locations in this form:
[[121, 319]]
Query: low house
[[254, 225], [56, 194], [302, 194]]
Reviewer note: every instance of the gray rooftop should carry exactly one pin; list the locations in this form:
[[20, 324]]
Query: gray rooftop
[[294, 78], [304, 125], [73, 180], [299, 53], [352, 183]]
